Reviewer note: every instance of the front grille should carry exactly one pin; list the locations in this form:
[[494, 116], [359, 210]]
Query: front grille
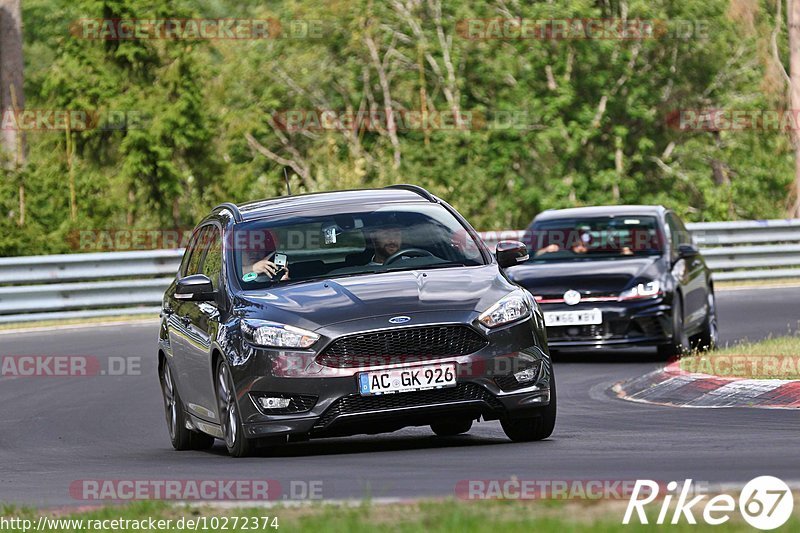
[[507, 382], [576, 332], [649, 326], [401, 345], [362, 404]]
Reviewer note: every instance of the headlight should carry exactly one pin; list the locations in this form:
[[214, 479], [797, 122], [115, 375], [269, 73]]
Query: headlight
[[510, 308], [642, 290], [276, 335]]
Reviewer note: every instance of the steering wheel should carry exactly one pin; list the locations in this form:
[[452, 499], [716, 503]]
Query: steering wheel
[[408, 252]]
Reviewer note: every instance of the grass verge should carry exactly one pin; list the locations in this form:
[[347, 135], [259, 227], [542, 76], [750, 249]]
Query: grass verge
[[42, 324], [431, 515], [774, 358], [757, 283]]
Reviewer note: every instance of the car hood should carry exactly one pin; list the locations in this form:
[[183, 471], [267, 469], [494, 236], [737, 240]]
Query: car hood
[[455, 292], [588, 277]]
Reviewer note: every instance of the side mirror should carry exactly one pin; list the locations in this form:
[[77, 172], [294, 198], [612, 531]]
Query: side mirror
[[196, 288], [688, 251], [510, 253]]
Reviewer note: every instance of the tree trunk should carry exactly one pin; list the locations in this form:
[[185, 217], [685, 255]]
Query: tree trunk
[[793, 22], [12, 97]]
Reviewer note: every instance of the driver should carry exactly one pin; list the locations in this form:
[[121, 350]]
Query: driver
[[253, 261], [578, 246], [385, 241]]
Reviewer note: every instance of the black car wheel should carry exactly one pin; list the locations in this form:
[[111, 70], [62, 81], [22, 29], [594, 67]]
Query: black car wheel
[[538, 427], [708, 338], [238, 445], [181, 437], [449, 428], [680, 341]]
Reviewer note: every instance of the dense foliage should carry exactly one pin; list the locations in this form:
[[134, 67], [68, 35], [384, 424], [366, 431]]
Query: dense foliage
[[549, 122]]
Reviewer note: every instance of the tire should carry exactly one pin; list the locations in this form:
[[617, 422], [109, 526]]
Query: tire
[[679, 344], [450, 428], [538, 427], [708, 338], [238, 445], [182, 438]]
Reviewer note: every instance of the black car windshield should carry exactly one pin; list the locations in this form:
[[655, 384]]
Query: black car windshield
[[351, 241], [586, 238]]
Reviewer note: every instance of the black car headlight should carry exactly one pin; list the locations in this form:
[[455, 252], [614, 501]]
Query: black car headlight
[[510, 308], [275, 335], [650, 289]]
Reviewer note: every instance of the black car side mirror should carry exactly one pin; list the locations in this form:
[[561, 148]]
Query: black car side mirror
[[688, 251], [196, 288], [510, 253]]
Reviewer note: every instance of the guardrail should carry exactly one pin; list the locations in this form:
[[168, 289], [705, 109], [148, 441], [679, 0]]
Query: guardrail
[[54, 287], [132, 283]]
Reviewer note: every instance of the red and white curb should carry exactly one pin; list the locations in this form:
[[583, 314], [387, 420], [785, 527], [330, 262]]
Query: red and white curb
[[674, 386]]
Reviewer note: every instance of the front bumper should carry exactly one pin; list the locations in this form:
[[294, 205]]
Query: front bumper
[[485, 388], [625, 324], [353, 414]]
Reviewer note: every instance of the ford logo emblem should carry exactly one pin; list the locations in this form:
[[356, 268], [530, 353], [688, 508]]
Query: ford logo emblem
[[399, 319]]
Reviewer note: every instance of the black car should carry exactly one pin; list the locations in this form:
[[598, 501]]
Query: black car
[[346, 313], [619, 276]]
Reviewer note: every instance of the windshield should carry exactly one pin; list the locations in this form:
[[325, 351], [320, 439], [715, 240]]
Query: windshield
[[354, 241], [570, 239]]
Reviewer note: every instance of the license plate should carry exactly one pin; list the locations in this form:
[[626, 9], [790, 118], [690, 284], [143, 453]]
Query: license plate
[[573, 318], [407, 379]]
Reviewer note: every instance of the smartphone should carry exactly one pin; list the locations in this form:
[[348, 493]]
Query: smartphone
[[280, 260]]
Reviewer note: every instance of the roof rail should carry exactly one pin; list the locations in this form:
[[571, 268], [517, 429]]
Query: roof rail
[[233, 208], [415, 189]]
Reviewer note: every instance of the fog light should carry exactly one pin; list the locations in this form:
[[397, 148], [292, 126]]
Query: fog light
[[274, 403], [527, 375]]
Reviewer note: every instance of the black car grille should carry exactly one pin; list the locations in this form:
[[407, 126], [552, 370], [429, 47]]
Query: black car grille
[[507, 382], [649, 326], [463, 392], [401, 345], [576, 332]]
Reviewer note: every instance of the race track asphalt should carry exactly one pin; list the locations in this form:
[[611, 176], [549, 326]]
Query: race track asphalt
[[55, 431]]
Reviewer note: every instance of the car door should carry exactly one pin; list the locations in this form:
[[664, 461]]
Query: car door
[[181, 330], [176, 320], [690, 273], [202, 320]]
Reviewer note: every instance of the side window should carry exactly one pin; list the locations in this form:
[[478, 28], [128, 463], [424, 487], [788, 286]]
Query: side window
[[187, 254], [677, 232], [212, 262], [685, 236], [198, 246], [673, 233]]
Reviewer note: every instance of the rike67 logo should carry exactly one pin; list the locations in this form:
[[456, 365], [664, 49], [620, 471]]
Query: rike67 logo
[[765, 503]]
